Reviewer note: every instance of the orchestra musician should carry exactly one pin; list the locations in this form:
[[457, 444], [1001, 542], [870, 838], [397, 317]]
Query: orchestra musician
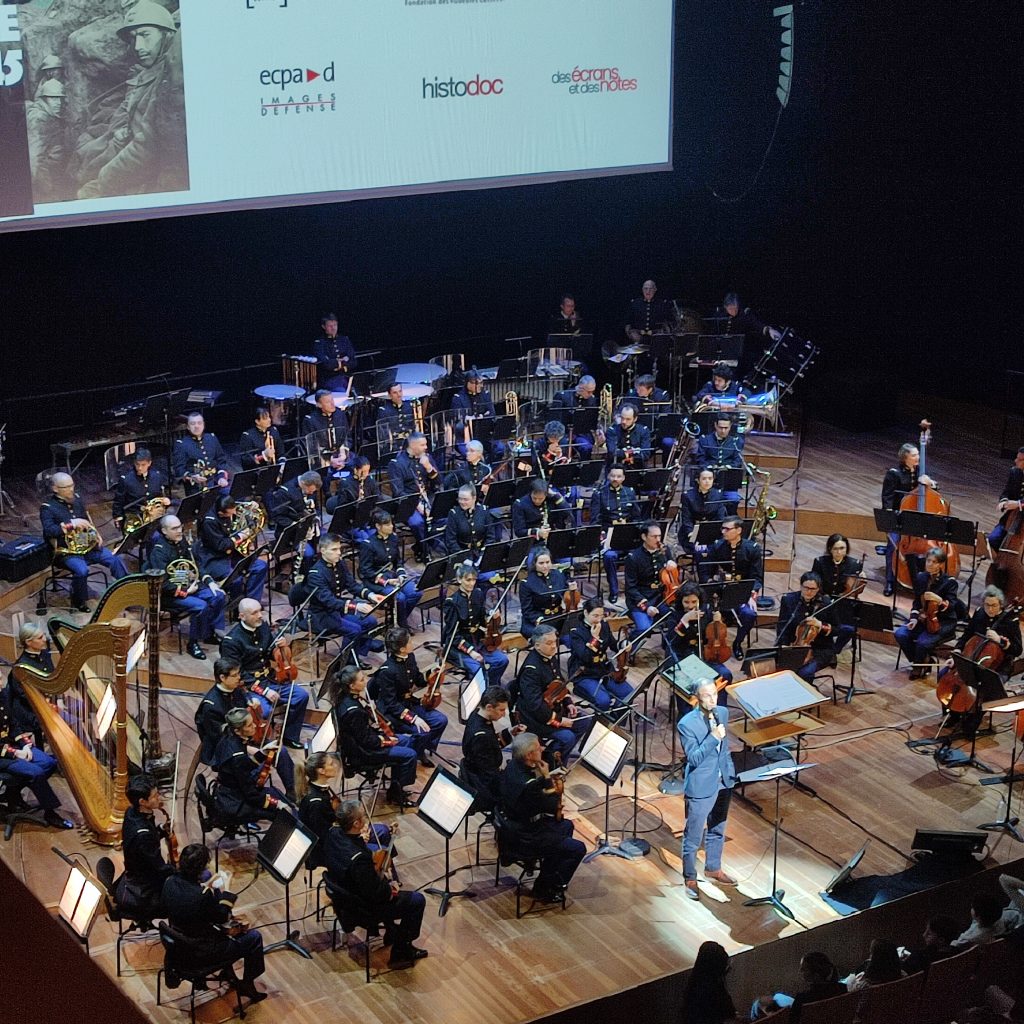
[[35, 651], [138, 889], [985, 622], [541, 593], [335, 355], [319, 800], [583, 396], [351, 867], [808, 605], [644, 597], [548, 450], [199, 910], [200, 598], [835, 567], [464, 614], [482, 758], [251, 643], [531, 801], [397, 414], [139, 486], [934, 588], [736, 319], [629, 442], [413, 471], [229, 693], [702, 503], [614, 504], [734, 558], [326, 430], [63, 517], [708, 784], [27, 763], [720, 386], [218, 550], [358, 485], [239, 794], [648, 397], [339, 604], [721, 450], [294, 501], [566, 320], [473, 402], [381, 568], [687, 635], [469, 526], [1010, 501], [589, 668], [198, 459], [897, 483], [473, 471], [539, 511], [557, 722], [361, 736], [393, 687], [262, 444], [647, 315]]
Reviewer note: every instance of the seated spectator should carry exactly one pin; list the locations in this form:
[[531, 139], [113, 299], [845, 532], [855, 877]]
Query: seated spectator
[[938, 937], [820, 980], [990, 920], [883, 965], [706, 999]]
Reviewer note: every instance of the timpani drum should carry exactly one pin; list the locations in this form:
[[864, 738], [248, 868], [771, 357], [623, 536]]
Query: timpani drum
[[276, 398]]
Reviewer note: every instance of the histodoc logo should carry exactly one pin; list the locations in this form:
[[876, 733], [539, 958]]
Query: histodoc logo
[[440, 89], [298, 101], [593, 81]]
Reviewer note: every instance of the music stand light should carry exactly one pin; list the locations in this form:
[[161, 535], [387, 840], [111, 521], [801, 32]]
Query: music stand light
[[443, 805], [282, 850]]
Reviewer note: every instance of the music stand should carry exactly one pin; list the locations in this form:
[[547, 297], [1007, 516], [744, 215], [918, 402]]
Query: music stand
[[282, 850], [325, 739], [775, 773], [443, 805], [581, 421], [252, 483], [442, 503], [188, 507], [728, 478], [720, 348], [1007, 824], [240, 572], [603, 754], [471, 692], [291, 468], [869, 615], [729, 595], [842, 876], [710, 531], [494, 557], [433, 575], [500, 494]]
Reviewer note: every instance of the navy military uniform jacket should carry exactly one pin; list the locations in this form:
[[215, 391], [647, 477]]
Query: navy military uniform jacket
[[699, 508], [589, 656], [237, 792], [399, 418], [335, 426], [945, 587], [834, 577], [189, 451], [328, 351], [1013, 490], [212, 714], [465, 616], [379, 560], [481, 748], [534, 678], [21, 715], [468, 530], [197, 912], [215, 546], [897, 483], [528, 518], [361, 742], [54, 512], [658, 401], [350, 489], [406, 474], [731, 390], [714, 452], [144, 865], [251, 648], [562, 324], [744, 322], [473, 405], [287, 505], [541, 596], [793, 609], [393, 685], [523, 798], [643, 577], [568, 400], [647, 316], [253, 444], [1008, 629], [636, 440], [161, 555], [133, 490], [329, 584], [610, 506], [466, 474], [744, 562], [350, 865]]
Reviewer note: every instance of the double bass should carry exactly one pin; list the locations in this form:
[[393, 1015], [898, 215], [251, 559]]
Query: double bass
[[923, 498], [1007, 569]]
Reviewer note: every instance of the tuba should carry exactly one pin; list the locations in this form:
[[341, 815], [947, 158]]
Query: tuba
[[79, 540], [247, 523]]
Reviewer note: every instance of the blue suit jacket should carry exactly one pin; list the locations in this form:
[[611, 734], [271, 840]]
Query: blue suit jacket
[[703, 760]]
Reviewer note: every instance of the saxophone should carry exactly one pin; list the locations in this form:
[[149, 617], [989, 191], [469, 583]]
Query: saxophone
[[763, 512]]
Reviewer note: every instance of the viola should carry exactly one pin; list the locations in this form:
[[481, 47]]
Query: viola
[[285, 669], [929, 615], [670, 582], [492, 637], [263, 775], [382, 859], [556, 692], [621, 662], [431, 698], [172, 840], [381, 724], [572, 599], [716, 640]]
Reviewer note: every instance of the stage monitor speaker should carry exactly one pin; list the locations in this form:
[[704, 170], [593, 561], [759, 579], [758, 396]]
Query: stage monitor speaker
[[950, 844]]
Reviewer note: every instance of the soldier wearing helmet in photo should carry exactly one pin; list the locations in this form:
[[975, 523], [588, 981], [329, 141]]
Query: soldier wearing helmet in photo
[[47, 142]]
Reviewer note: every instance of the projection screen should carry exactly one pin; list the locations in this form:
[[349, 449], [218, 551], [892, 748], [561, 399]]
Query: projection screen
[[127, 109]]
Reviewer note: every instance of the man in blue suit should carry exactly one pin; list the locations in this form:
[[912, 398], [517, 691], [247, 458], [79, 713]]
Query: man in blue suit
[[710, 777]]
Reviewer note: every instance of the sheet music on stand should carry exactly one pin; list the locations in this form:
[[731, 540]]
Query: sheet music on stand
[[684, 675], [444, 802], [604, 750], [471, 693]]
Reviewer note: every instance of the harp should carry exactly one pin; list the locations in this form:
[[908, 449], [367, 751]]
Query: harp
[[142, 591], [96, 776]]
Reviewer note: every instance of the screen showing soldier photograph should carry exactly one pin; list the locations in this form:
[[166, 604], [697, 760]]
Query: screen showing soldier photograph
[[129, 109], [105, 99]]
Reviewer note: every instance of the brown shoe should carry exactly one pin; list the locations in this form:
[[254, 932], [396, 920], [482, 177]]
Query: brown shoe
[[720, 876], [691, 889]]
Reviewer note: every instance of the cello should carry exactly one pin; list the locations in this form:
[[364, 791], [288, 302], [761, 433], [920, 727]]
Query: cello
[[951, 690], [924, 498]]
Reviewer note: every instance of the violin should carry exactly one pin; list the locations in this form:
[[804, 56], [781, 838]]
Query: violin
[[172, 840], [670, 582], [382, 859], [431, 698], [573, 597], [716, 640], [621, 662], [285, 669], [493, 634], [381, 724], [555, 692]]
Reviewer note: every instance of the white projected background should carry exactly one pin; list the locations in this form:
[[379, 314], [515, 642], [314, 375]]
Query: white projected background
[[563, 89]]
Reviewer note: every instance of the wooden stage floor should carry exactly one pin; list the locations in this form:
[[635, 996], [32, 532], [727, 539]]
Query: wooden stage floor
[[628, 921]]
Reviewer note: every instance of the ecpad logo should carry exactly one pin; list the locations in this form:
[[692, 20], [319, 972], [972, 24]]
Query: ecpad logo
[[440, 89], [284, 77]]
